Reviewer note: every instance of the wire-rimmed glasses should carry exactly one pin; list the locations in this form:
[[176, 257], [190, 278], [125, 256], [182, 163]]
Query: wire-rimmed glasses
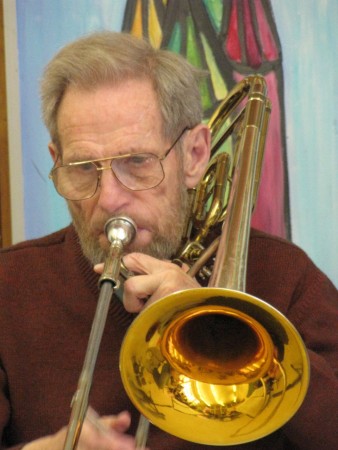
[[135, 171]]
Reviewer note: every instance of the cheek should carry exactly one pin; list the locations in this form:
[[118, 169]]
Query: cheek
[[151, 209], [164, 204], [163, 197], [83, 209]]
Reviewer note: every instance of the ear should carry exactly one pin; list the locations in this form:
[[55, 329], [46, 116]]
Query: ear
[[54, 153], [196, 154]]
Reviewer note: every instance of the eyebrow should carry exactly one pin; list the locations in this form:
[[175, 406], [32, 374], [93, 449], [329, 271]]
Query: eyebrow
[[76, 157]]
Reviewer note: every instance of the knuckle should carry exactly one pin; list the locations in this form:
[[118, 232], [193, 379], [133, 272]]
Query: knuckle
[[130, 286]]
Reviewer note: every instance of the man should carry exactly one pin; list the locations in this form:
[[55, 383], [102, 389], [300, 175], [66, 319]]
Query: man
[[130, 117]]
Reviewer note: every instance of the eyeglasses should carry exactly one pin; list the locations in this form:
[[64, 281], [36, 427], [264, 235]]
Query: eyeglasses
[[135, 171]]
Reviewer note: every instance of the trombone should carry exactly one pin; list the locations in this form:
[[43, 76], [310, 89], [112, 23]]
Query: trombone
[[215, 365]]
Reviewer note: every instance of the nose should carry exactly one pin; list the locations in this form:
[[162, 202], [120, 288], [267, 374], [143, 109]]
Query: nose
[[112, 196]]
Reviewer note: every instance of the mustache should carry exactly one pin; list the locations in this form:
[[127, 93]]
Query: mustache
[[141, 223]]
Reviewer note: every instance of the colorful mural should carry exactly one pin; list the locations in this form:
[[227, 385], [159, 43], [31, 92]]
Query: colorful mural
[[294, 44], [229, 39]]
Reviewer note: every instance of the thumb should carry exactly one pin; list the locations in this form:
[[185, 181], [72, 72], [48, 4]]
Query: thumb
[[119, 423]]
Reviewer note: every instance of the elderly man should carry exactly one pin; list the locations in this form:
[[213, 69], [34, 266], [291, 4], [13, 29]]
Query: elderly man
[[129, 116]]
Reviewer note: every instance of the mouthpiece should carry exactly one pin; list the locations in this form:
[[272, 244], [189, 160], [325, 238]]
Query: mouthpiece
[[121, 229]]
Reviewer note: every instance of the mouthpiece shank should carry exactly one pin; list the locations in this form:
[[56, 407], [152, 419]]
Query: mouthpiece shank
[[120, 231]]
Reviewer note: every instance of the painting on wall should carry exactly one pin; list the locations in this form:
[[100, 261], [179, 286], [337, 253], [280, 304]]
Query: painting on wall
[[229, 40], [292, 44]]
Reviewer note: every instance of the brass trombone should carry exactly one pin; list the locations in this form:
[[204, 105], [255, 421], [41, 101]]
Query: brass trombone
[[214, 365]]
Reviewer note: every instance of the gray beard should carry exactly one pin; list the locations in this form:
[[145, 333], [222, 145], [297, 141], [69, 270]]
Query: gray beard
[[165, 242]]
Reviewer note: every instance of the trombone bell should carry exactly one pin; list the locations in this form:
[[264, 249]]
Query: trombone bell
[[214, 366]]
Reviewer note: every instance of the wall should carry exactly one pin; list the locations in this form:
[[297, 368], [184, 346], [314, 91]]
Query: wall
[[308, 33]]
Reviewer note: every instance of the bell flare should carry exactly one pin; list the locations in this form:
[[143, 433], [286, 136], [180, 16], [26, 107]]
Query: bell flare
[[216, 344], [214, 366]]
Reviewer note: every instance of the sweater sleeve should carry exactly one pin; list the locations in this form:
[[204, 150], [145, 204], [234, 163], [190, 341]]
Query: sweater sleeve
[[5, 413], [314, 312]]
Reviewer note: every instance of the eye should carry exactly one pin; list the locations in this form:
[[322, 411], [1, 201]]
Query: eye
[[140, 159], [85, 167]]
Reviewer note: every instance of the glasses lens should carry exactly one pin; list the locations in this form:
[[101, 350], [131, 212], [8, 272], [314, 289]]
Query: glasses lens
[[139, 171], [76, 182]]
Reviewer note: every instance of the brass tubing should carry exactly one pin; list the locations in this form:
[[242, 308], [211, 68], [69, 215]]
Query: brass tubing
[[215, 365], [120, 231], [80, 399]]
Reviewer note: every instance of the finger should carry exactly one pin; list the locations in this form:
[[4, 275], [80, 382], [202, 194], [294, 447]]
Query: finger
[[138, 291], [101, 433], [143, 290], [134, 261], [98, 268], [119, 423], [181, 264], [144, 264]]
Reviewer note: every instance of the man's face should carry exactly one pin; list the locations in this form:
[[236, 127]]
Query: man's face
[[115, 120]]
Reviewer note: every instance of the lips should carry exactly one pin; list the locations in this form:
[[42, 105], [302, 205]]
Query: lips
[[144, 232]]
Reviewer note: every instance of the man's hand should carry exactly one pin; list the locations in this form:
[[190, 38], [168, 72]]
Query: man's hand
[[102, 433], [155, 279]]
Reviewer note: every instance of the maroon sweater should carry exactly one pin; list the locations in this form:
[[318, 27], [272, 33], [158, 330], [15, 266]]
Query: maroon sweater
[[48, 296]]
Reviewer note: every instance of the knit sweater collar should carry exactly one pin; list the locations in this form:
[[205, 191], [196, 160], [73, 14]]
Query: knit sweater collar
[[91, 278]]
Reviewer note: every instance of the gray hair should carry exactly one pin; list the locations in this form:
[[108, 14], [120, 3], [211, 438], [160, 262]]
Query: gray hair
[[110, 58]]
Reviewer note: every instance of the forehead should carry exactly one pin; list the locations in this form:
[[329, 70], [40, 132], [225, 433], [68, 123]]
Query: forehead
[[108, 113]]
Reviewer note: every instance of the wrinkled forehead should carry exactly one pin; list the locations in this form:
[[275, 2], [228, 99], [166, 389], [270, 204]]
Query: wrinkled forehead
[[109, 110]]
